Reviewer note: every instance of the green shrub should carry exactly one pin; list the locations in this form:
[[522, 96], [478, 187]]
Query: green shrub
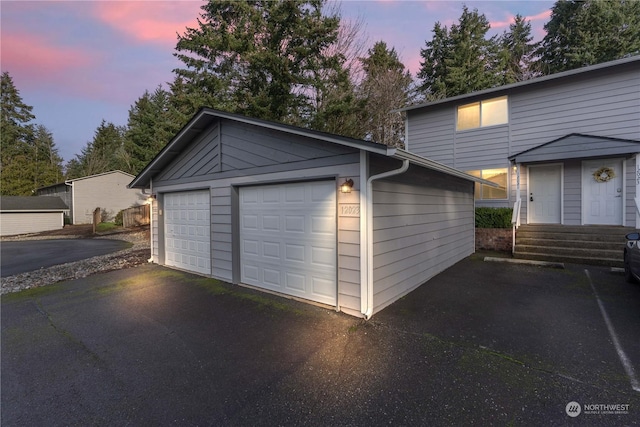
[[493, 217], [118, 219]]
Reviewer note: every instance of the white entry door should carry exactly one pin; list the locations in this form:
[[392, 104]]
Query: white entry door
[[602, 197], [544, 198], [288, 239], [187, 226]]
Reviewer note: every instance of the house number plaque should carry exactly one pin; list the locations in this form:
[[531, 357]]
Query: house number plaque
[[350, 210]]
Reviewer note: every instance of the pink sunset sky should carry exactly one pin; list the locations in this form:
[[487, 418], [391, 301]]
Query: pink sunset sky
[[79, 62]]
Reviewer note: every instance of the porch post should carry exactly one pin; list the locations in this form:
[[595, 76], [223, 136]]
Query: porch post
[[637, 198]]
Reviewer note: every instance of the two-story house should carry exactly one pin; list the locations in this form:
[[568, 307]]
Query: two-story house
[[563, 148], [107, 191]]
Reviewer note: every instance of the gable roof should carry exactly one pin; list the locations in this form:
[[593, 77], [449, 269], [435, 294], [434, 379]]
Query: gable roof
[[69, 181], [497, 91], [206, 116], [577, 146], [31, 203]]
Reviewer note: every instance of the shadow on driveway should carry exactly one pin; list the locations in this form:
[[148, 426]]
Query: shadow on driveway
[[481, 343]]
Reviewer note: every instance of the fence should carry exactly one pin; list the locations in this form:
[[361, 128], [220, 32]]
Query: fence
[[135, 216]]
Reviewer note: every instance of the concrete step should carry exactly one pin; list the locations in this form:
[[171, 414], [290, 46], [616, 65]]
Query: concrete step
[[607, 262], [585, 252], [594, 245], [591, 244]]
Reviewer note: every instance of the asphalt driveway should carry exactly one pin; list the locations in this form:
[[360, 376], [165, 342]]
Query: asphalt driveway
[[482, 343], [23, 256]]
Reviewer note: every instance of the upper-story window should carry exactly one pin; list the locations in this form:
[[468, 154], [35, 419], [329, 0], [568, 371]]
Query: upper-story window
[[489, 112]]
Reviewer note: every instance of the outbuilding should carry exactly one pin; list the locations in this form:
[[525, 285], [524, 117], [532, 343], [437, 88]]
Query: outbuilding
[[337, 221], [26, 214]]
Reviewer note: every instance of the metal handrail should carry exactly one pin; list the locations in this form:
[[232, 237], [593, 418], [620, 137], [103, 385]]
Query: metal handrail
[[515, 222]]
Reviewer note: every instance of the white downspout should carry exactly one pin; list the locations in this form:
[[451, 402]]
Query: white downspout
[[153, 201], [366, 247]]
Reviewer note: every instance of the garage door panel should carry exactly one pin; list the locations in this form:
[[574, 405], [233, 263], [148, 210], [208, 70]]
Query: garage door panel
[[188, 231], [288, 239]]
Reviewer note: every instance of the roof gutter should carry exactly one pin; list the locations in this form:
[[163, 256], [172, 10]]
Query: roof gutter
[[366, 238]]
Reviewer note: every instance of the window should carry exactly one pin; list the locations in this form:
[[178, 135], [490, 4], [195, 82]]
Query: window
[[485, 192], [484, 113]]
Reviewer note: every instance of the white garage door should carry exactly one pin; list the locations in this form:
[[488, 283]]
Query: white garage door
[[288, 239], [187, 226]]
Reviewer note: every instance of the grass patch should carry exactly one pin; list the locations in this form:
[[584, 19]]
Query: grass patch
[[105, 226], [218, 288], [31, 293]]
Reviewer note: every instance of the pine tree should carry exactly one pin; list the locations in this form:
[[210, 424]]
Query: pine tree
[[516, 60], [459, 60], [258, 58], [151, 125], [28, 156], [105, 153], [588, 32]]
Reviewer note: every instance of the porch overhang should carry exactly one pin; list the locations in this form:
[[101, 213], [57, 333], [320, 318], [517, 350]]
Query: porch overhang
[[577, 146]]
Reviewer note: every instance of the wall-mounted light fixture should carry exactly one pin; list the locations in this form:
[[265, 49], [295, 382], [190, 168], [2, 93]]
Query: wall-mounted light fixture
[[346, 186]]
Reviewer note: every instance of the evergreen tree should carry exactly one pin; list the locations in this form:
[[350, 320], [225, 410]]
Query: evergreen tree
[[28, 156], [386, 86], [259, 58], [588, 32], [151, 125], [48, 163], [459, 60], [516, 60], [105, 153], [433, 68]]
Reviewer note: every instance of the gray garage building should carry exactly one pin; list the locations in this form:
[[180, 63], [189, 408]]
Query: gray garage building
[[282, 208]]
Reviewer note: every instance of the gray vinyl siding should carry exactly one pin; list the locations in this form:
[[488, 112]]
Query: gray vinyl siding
[[245, 149], [629, 216], [221, 234], [423, 223], [431, 134], [606, 106], [602, 104], [349, 247], [200, 158], [572, 192], [484, 148]]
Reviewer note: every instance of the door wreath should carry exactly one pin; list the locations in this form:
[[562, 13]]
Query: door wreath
[[604, 174]]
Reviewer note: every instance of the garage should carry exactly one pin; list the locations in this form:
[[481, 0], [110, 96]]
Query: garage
[[348, 223], [187, 231], [288, 239]]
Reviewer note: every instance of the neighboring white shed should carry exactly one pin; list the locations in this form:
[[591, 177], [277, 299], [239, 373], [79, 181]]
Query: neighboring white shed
[[107, 191], [348, 223], [26, 214]]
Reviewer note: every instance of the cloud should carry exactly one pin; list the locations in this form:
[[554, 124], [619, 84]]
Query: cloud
[[34, 56], [149, 21]]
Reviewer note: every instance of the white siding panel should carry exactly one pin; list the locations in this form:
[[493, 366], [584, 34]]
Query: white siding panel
[[29, 222], [107, 191]]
